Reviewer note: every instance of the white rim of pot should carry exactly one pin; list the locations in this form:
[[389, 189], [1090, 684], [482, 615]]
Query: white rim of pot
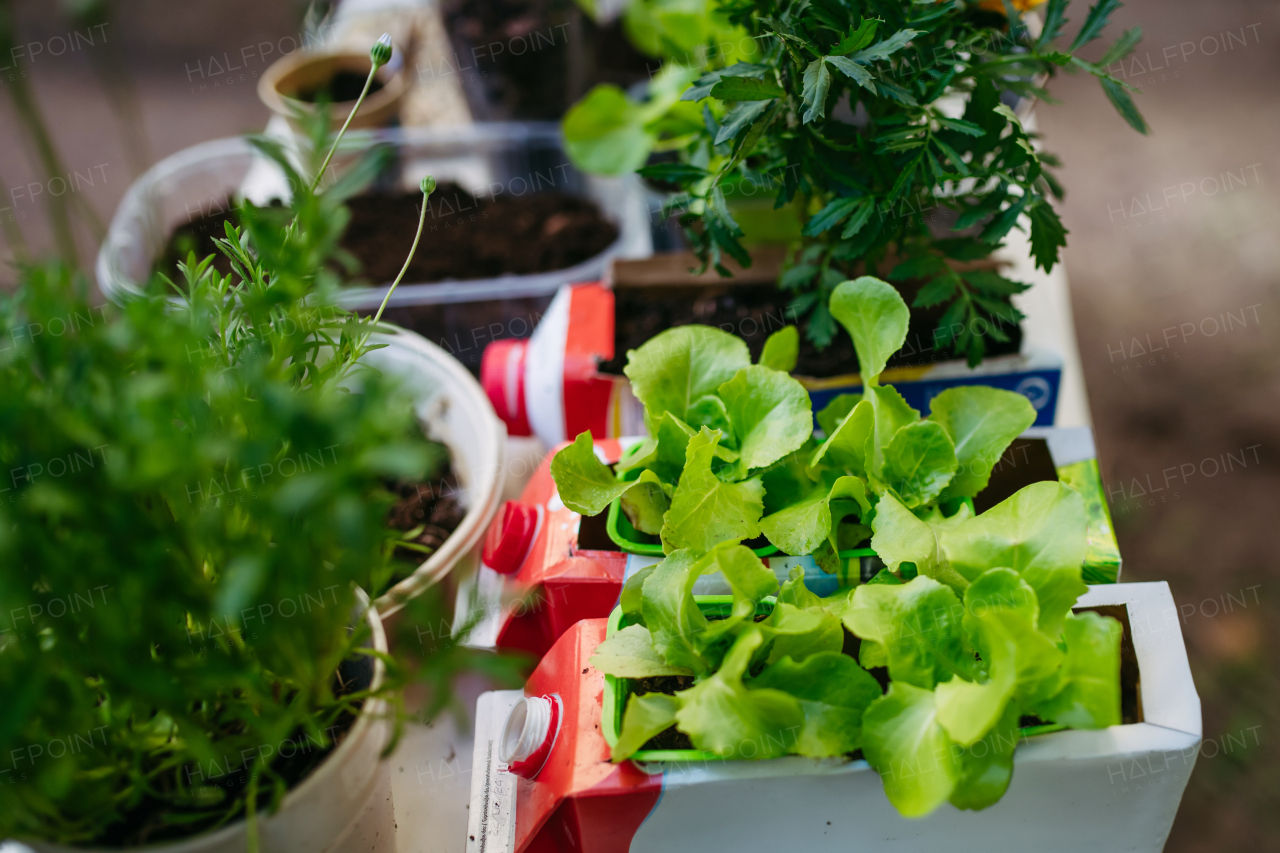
[[373, 712], [483, 486]]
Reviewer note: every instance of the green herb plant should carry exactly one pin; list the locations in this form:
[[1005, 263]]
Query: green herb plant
[[194, 497], [971, 617], [860, 113]]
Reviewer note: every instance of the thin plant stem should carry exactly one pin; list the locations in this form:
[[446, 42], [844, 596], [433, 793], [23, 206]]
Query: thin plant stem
[[422, 219], [315, 182], [29, 115], [13, 235]]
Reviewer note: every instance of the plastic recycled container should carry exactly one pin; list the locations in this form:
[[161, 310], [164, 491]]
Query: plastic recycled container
[[491, 160]]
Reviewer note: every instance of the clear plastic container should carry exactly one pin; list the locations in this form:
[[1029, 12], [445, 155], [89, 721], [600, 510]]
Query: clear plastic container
[[489, 160]]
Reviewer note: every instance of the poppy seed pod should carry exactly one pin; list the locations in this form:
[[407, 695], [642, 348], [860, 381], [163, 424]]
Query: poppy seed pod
[[380, 53]]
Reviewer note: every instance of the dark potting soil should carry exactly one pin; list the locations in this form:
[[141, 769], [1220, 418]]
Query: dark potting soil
[[1025, 461], [753, 312], [435, 506], [154, 820], [343, 87], [463, 238]]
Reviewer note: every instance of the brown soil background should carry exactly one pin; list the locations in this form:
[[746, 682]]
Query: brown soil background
[[1204, 255]]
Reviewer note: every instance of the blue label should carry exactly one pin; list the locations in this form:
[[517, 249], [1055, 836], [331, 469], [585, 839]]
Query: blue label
[[1038, 386]]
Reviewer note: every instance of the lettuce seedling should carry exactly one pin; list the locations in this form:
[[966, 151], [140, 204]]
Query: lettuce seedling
[[964, 670], [971, 620], [731, 455]]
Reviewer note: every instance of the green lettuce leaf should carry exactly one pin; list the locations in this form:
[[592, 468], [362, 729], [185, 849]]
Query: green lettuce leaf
[[987, 766], [632, 598], [676, 368], [629, 653], [1000, 605], [797, 633], [646, 502], [664, 451], [968, 710], [770, 413], [749, 581], [900, 537], [790, 480], [918, 624], [919, 462], [834, 692], [585, 484], [646, 716], [903, 740], [802, 527], [722, 716], [782, 349], [981, 421], [705, 510], [710, 412], [874, 315], [846, 446], [674, 620], [1091, 697], [890, 413], [1039, 533], [836, 411]]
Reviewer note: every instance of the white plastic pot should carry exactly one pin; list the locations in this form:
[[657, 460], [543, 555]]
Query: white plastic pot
[[455, 412], [490, 160], [344, 806]]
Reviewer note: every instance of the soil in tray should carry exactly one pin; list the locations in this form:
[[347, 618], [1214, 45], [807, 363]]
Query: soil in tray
[[754, 312], [343, 87], [464, 237]]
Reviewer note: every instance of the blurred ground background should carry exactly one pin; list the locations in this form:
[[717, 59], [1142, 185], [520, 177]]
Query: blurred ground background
[[1173, 257]]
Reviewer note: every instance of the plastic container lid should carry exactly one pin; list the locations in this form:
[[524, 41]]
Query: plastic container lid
[[502, 376], [509, 538]]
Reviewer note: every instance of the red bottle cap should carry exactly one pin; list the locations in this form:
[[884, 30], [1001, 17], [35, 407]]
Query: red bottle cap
[[512, 532], [502, 377]]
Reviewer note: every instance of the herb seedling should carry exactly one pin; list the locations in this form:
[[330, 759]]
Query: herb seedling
[[859, 113], [197, 479]]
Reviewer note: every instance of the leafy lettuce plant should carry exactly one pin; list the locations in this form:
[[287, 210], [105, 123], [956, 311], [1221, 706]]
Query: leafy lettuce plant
[[970, 623], [861, 113], [731, 453], [967, 663]]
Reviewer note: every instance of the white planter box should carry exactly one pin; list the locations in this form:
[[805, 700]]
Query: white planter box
[[1113, 789]]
